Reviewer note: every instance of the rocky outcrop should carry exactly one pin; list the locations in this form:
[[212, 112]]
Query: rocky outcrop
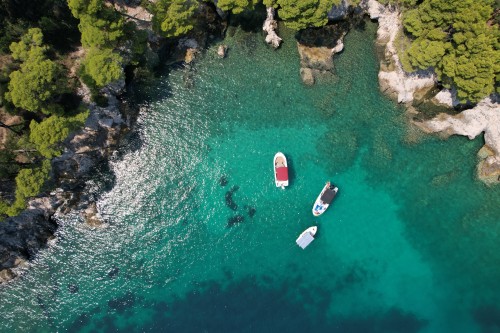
[[221, 51], [402, 86], [446, 98], [393, 80], [22, 236], [484, 118], [270, 26], [340, 11], [316, 61]]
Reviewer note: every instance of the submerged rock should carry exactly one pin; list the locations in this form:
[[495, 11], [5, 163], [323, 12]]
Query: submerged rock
[[229, 198], [73, 288], [251, 211], [223, 180], [316, 49], [234, 220], [113, 273], [221, 51], [307, 76], [92, 216]]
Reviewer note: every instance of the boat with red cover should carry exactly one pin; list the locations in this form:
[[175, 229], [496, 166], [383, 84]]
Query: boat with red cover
[[280, 170]]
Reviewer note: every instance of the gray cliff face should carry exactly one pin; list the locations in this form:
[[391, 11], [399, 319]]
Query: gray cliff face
[[21, 237], [339, 12]]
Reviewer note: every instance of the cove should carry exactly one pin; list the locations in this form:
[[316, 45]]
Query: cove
[[198, 238]]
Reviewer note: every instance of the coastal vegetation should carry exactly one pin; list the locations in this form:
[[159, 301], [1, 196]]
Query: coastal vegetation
[[35, 91], [299, 15], [458, 39], [173, 18]]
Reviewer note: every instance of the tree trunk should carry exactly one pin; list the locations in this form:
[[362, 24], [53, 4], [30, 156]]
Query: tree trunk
[[10, 127]]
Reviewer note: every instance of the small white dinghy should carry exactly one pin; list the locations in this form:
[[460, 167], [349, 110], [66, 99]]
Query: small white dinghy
[[306, 237], [280, 170]]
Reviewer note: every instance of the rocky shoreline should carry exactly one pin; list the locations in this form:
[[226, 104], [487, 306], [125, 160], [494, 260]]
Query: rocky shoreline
[[406, 88], [22, 236]]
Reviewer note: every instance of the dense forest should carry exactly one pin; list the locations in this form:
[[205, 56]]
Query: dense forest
[[458, 39]]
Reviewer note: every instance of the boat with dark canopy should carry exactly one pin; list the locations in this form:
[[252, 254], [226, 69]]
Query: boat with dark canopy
[[324, 199]]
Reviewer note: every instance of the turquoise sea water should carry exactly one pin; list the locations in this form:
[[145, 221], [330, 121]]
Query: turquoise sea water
[[198, 239]]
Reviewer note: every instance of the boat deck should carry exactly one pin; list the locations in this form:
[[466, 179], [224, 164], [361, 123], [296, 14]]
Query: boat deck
[[280, 162]]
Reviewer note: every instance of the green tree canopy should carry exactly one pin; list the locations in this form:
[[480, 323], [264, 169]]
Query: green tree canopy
[[100, 25], [101, 31], [85, 7], [103, 66], [38, 79], [29, 183], [48, 134], [305, 13], [174, 17], [31, 44], [237, 6], [454, 38]]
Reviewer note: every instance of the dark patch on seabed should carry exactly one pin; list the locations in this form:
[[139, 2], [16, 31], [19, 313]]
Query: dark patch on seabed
[[113, 272], [223, 180], [488, 317], [121, 304], [250, 210], [234, 220], [245, 306], [73, 288], [229, 197]]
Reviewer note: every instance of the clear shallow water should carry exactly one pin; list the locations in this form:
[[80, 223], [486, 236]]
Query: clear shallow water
[[409, 244]]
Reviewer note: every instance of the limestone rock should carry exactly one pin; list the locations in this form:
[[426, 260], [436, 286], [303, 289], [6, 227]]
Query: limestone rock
[[446, 97], [190, 55], [374, 9], [393, 80], [221, 51], [92, 216], [6, 275], [484, 118], [339, 12], [270, 26], [315, 61]]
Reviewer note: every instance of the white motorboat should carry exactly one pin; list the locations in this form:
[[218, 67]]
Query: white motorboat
[[280, 170], [324, 199], [306, 237]]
